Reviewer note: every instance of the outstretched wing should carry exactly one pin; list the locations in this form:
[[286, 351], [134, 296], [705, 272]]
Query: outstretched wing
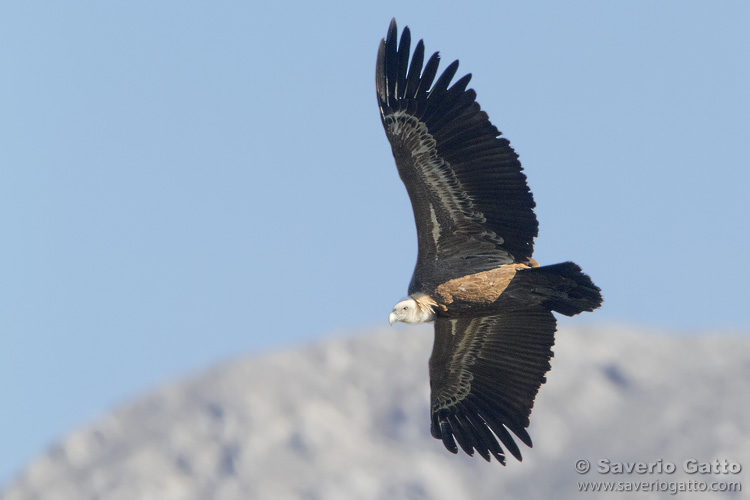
[[471, 203], [484, 374]]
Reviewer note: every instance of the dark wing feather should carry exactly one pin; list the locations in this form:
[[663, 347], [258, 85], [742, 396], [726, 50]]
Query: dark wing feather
[[485, 373], [472, 206]]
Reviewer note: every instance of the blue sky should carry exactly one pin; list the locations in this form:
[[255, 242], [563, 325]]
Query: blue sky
[[184, 183]]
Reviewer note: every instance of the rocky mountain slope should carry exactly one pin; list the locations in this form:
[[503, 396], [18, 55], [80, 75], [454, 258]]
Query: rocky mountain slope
[[348, 419]]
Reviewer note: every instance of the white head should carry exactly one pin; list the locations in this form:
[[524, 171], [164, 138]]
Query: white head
[[418, 309]]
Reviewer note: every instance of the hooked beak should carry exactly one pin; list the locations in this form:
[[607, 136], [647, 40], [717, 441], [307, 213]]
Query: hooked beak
[[392, 318]]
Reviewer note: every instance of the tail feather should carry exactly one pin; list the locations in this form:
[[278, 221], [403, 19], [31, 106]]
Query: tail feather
[[564, 288]]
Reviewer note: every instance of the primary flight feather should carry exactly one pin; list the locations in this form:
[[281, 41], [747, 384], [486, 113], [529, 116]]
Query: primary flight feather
[[491, 303]]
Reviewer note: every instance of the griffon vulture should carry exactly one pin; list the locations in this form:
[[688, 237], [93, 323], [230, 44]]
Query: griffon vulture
[[491, 303]]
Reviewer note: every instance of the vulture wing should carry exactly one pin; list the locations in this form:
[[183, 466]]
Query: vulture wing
[[472, 206], [485, 373]]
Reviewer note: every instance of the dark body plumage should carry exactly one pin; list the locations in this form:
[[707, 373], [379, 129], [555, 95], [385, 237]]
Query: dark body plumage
[[491, 303]]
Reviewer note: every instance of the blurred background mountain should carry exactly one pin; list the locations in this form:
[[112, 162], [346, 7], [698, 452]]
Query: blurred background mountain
[[349, 418]]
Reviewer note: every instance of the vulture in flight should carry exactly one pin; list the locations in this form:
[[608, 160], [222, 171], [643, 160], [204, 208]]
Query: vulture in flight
[[491, 303]]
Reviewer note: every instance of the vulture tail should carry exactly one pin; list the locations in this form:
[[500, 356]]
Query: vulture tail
[[563, 288]]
